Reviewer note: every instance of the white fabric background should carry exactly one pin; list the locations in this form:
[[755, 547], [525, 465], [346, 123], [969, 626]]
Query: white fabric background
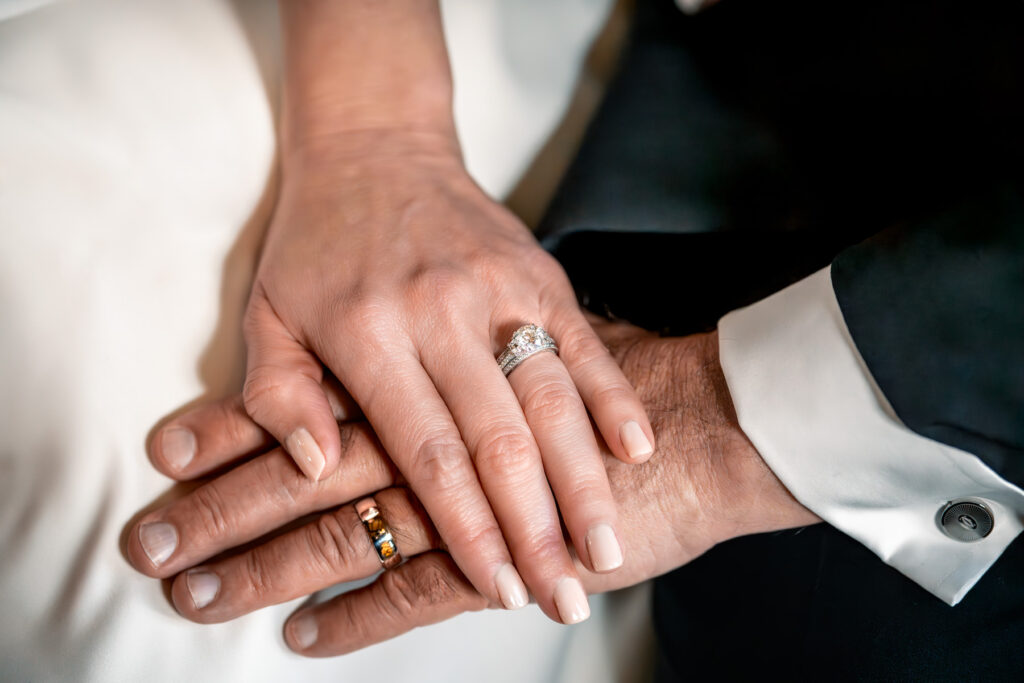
[[136, 175]]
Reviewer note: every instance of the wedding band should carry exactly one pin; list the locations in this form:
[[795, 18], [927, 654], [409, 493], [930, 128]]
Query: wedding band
[[380, 534], [526, 341]]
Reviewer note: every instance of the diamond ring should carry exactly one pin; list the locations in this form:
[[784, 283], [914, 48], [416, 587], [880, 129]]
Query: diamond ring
[[526, 341]]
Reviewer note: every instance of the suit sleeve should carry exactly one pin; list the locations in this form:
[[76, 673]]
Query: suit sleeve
[[890, 385]]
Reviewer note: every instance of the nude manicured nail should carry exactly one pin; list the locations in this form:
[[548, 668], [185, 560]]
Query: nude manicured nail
[[304, 630], [307, 454], [605, 551], [178, 446], [636, 443], [511, 588], [159, 540], [571, 601], [202, 586]]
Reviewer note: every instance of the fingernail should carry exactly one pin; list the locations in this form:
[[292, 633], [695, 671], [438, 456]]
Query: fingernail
[[605, 551], [178, 446], [511, 588], [202, 586], [304, 630], [571, 601], [158, 539], [307, 454], [635, 441]]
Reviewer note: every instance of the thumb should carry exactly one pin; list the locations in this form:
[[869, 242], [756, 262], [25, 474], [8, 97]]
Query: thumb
[[284, 395]]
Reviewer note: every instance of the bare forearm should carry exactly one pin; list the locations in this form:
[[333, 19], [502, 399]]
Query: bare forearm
[[363, 66]]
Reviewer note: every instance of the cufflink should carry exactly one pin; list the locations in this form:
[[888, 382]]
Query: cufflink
[[966, 520]]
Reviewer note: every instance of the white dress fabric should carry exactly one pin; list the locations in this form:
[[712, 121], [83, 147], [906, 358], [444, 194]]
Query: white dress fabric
[[137, 154]]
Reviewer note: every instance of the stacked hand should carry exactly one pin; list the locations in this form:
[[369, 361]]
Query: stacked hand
[[386, 267], [404, 279], [708, 485]]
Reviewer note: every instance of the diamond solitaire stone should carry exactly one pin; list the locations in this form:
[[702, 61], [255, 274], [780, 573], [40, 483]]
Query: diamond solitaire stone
[[526, 341]]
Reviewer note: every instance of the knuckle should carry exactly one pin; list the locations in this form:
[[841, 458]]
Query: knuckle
[[507, 455], [264, 387], [440, 282], [362, 316], [551, 401], [424, 585], [612, 393], [258, 577], [585, 480], [281, 490], [439, 463], [464, 592], [581, 347], [555, 287], [357, 626], [487, 264], [542, 548], [333, 542], [542, 262], [399, 592], [589, 490], [485, 535], [209, 509], [360, 311], [233, 422], [433, 585], [450, 292]]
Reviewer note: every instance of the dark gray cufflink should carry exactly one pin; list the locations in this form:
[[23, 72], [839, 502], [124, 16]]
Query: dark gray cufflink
[[966, 520]]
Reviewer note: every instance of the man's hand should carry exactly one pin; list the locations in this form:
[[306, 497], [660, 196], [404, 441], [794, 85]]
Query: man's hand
[[709, 485]]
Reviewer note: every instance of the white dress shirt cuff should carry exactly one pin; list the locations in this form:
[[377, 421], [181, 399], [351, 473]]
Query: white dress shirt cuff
[[807, 401]]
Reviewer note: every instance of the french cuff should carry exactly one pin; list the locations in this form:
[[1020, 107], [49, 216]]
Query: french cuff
[[808, 403]]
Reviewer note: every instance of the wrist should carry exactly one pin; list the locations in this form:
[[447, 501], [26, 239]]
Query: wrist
[[726, 487], [358, 66], [751, 498], [356, 147]]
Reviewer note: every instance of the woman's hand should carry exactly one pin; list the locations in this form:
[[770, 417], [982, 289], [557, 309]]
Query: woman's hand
[[389, 266], [709, 485]]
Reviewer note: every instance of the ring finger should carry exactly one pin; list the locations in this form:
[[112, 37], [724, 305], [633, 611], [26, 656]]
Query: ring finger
[[572, 460], [511, 472]]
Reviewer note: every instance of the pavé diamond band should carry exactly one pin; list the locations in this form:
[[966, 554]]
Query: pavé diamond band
[[380, 534], [526, 341]]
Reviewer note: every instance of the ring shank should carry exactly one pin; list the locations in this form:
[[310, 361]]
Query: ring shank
[[509, 361]]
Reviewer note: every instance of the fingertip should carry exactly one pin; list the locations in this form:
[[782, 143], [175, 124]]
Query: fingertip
[[306, 453], [204, 438], [604, 549], [637, 446], [511, 588], [173, 449], [571, 601], [301, 631], [150, 545]]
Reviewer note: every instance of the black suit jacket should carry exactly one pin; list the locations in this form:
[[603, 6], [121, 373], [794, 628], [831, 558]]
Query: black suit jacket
[[746, 147]]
